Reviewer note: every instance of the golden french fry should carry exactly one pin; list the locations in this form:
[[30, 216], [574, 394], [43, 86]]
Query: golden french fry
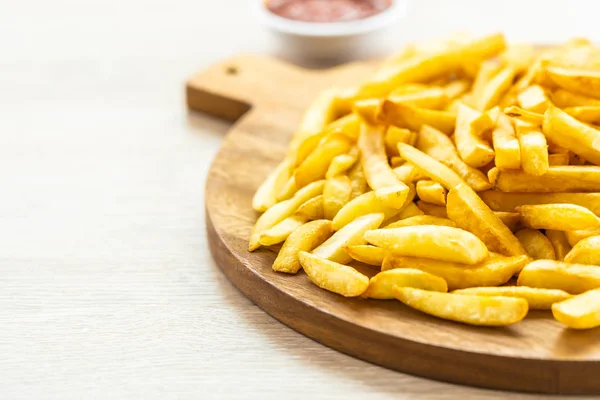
[[350, 235], [431, 167], [561, 217], [431, 192], [579, 312], [501, 201], [312, 209], [457, 88], [395, 135], [414, 118], [533, 99], [421, 220], [340, 164], [494, 271], [558, 159], [468, 309], [524, 115], [281, 211], [315, 166], [332, 276], [566, 131], [432, 209], [305, 238], [366, 254], [436, 242], [549, 274], [495, 89], [574, 237], [487, 70], [288, 190], [538, 299], [410, 210], [536, 244], [559, 242], [317, 116], [560, 178], [280, 232], [440, 147], [382, 285], [563, 98], [466, 209], [266, 195], [586, 82], [586, 251], [364, 204], [512, 220], [408, 172], [506, 145], [430, 97], [370, 110], [395, 196], [357, 181], [336, 194], [472, 149], [534, 149], [589, 114]]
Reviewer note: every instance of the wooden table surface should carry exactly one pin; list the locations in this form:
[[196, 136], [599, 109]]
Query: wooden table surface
[[107, 288]]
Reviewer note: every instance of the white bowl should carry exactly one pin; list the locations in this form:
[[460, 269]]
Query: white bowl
[[332, 42]]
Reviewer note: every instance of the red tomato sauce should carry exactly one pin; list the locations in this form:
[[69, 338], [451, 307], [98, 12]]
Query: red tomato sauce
[[327, 10]]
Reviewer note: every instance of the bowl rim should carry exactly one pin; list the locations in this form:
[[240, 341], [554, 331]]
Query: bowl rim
[[329, 29]]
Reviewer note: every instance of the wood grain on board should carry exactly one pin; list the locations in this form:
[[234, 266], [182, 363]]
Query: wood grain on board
[[268, 97]]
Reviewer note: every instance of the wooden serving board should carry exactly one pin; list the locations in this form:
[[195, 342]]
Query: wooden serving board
[[267, 98]]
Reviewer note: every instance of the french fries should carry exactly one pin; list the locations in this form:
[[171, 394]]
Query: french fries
[[549, 274], [579, 312], [414, 118], [431, 167], [364, 204], [534, 149], [586, 82], [437, 242], [586, 251], [506, 145], [468, 309], [332, 276], [382, 285], [538, 299], [431, 192], [315, 166], [305, 238], [421, 220], [562, 178], [559, 242], [574, 237], [472, 148], [501, 201], [336, 194], [561, 217], [266, 195], [366, 254], [432, 209], [536, 244]]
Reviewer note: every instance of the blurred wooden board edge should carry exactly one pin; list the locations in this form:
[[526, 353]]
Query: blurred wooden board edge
[[277, 93]]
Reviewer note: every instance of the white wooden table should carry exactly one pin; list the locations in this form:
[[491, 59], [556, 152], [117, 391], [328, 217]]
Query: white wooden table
[[107, 288]]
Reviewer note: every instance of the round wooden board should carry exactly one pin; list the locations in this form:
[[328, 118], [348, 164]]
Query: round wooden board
[[536, 355]]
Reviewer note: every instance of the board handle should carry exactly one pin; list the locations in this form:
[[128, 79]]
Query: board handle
[[230, 88]]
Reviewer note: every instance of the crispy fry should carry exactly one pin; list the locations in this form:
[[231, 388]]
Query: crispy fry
[[437, 242], [431, 167], [312, 209], [364, 204], [563, 98], [349, 235], [494, 271], [336, 194], [281, 211], [382, 285], [561, 217], [571, 134], [501, 201], [495, 89], [579, 312], [266, 195], [340, 164], [536, 244], [506, 145], [407, 173], [586, 251], [586, 82], [574, 237], [512, 220], [315, 166], [559, 242], [414, 118], [472, 149], [549, 274], [560, 178], [332, 276], [305, 238], [440, 147], [533, 99], [472, 310], [432, 192], [357, 181], [366, 254], [421, 220], [395, 196], [282, 230], [538, 299], [469, 212], [432, 209], [395, 135], [534, 149]]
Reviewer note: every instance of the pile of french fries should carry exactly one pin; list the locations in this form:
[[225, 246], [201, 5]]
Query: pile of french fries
[[466, 170]]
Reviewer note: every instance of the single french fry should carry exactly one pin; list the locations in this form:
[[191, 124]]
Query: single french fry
[[586, 251], [421, 220], [563, 98], [538, 299], [395, 135], [382, 285], [312, 209], [280, 232], [466, 209], [472, 310], [506, 145], [560, 178], [414, 118], [434, 98], [582, 81], [440, 147], [305, 238], [549, 274], [558, 159], [501, 201], [340, 164], [281, 211], [266, 195], [487, 70], [332, 276], [288, 190], [536, 244], [559, 241], [533, 99], [574, 237], [494, 271], [317, 116], [495, 89], [561, 217], [370, 110], [432, 209], [350, 235], [315, 166], [472, 149], [364, 204], [436, 242], [579, 312], [456, 88], [588, 114], [431, 192], [566, 131], [534, 149], [366, 254], [336, 194], [512, 220], [408, 173], [357, 181], [395, 196], [410, 210], [431, 167]]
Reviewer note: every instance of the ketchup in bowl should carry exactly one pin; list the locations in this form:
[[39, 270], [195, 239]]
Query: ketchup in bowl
[[322, 11]]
